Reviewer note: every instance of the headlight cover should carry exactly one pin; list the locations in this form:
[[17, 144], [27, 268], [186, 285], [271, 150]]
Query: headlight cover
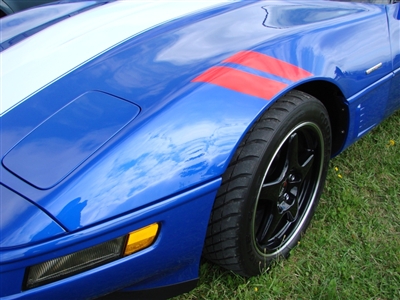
[[77, 262]]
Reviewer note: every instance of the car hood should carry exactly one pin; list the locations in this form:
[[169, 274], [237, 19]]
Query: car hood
[[98, 130], [22, 222], [17, 27]]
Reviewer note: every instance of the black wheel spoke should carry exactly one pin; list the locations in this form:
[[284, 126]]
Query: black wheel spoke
[[270, 191], [306, 166], [293, 152], [286, 184], [269, 226], [293, 157]]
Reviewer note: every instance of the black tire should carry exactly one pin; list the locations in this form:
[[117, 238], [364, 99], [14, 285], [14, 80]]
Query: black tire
[[272, 186]]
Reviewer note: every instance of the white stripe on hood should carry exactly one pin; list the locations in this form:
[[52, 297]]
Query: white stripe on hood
[[37, 61]]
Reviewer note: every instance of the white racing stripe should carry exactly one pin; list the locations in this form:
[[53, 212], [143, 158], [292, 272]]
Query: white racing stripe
[[37, 16], [35, 62]]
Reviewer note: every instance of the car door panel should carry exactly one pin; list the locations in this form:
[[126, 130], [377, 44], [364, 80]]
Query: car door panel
[[394, 29]]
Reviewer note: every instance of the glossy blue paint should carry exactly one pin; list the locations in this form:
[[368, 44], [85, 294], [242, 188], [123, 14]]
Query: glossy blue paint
[[183, 147], [394, 98], [65, 140], [367, 109], [165, 165], [394, 26], [284, 16], [177, 250], [393, 12], [22, 223]]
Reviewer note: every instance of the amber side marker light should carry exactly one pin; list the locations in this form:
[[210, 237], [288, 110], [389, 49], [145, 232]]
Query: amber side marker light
[[86, 259], [141, 238]]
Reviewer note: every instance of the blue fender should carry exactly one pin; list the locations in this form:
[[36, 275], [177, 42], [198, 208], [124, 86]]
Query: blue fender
[[191, 116]]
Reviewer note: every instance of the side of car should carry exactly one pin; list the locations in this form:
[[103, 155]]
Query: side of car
[[232, 112], [274, 181]]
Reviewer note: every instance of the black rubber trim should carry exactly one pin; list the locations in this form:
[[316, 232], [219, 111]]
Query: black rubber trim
[[161, 293]]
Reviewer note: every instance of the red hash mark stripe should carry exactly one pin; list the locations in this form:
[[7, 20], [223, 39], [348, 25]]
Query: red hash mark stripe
[[269, 65], [241, 82]]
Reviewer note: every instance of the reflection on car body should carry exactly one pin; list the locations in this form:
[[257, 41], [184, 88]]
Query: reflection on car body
[[139, 136]]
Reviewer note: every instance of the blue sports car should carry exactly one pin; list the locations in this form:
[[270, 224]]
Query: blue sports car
[[139, 136]]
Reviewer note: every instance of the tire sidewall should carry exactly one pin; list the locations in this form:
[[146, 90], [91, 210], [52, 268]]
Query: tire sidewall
[[311, 111]]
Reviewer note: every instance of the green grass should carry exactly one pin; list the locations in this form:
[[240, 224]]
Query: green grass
[[352, 247]]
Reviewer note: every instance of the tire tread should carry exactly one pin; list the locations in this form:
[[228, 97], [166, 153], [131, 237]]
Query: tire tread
[[222, 242]]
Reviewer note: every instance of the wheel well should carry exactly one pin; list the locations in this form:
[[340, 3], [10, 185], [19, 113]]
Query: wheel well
[[334, 101]]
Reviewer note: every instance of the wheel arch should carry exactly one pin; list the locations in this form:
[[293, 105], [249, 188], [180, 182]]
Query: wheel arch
[[334, 101], [232, 246]]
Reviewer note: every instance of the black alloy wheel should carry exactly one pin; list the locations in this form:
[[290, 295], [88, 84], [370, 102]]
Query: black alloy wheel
[[288, 191], [272, 186]]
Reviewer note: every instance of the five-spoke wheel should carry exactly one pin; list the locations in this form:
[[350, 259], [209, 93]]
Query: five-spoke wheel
[[288, 190], [271, 187]]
